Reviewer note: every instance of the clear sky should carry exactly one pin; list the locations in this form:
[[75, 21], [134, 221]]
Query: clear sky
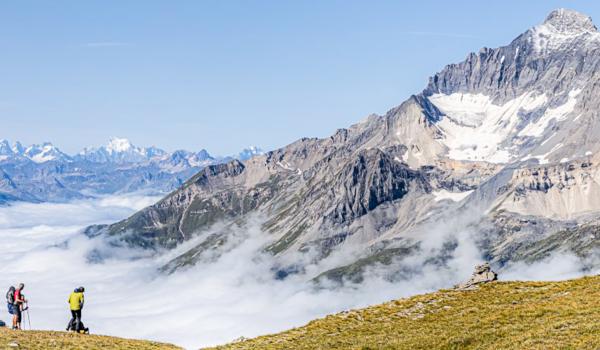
[[223, 75]]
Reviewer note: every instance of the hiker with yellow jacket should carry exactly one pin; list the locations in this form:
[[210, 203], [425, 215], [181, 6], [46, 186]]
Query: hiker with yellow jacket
[[76, 300]]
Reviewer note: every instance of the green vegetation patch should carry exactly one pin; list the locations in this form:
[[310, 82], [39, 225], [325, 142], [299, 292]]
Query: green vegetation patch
[[498, 315], [287, 240]]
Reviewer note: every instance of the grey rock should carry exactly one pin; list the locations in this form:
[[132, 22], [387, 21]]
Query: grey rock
[[483, 274]]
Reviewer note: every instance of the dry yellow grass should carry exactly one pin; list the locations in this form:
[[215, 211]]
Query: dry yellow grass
[[499, 315], [33, 340]]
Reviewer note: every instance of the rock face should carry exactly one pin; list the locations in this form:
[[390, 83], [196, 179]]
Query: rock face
[[505, 143], [482, 274]]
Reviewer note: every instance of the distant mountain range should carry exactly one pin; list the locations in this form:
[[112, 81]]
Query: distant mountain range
[[40, 173]]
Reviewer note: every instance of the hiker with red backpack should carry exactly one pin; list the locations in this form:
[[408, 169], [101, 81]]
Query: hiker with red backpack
[[15, 301]]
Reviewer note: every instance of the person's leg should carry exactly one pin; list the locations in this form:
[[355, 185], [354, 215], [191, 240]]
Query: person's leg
[[77, 320], [81, 325], [72, 321], [10, 311], [18, 316]]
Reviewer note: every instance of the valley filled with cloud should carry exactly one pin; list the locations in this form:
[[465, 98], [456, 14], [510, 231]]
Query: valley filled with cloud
[[210, 303]]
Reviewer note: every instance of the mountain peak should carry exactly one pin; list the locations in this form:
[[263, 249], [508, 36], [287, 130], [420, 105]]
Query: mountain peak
[[117, 144], [17, 147], [562, 29], [569, 22], [5, 148]]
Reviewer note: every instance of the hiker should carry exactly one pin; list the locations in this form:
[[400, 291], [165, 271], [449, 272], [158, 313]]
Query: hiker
[[76, 304], [10, 303], [19, 301]]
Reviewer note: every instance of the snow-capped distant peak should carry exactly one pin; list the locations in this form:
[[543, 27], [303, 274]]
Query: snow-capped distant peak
[[118, 145], [44, 153], [561, 27], [18, 148], [569, 22], [5, 148], [119, 150]]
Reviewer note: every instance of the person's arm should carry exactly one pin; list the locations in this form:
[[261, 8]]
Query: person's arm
[[21, 298], [81, 303]]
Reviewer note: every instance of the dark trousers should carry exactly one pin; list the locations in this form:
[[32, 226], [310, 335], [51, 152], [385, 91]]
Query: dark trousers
[[18, 313], [75, 323]]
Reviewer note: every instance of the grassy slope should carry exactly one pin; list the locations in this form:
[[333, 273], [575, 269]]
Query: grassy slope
[[499, 315], [32, 340]]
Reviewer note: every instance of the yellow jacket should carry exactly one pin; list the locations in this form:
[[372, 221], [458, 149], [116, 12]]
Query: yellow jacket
[[75, 301]]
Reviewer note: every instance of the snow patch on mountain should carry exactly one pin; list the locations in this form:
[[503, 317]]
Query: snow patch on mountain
[[543, 158], [560, 113], [475, 128], [453, 196]]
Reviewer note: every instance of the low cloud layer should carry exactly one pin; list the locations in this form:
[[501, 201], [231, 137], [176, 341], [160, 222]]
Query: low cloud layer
[[208, 304]]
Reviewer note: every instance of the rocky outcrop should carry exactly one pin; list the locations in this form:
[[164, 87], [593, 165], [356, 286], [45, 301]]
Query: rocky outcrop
[[372, 178], [483, 274]]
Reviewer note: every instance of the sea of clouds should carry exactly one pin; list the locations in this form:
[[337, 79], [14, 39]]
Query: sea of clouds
[[211, 303]]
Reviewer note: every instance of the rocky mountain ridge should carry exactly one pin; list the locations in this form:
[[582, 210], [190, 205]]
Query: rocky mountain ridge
[[499, 150]]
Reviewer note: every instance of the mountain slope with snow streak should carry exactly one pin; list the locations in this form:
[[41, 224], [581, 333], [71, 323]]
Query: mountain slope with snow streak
[[496, 157]]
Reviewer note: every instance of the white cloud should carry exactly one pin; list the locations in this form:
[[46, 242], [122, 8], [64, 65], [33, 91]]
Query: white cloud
[[208, 304]]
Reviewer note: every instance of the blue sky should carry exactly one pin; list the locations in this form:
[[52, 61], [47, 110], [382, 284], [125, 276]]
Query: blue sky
[[222, 75]]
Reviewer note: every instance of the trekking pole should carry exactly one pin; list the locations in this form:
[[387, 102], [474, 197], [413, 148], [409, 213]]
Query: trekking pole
[[28, 318]]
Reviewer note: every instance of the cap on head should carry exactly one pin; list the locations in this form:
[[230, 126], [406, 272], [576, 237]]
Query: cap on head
[[21, 286], [81, 289]]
